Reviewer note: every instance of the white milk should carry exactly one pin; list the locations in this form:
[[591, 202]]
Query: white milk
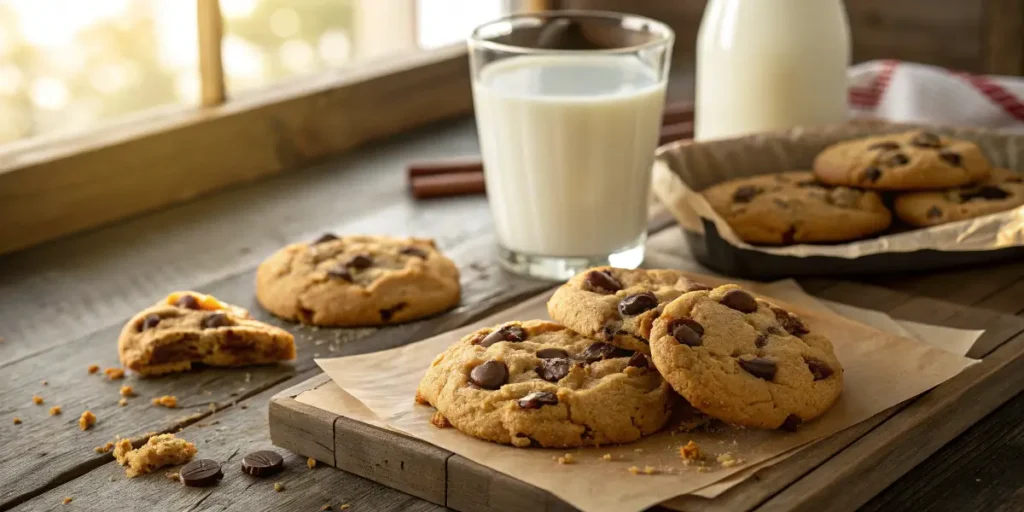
[[568, 144], [770, 64]]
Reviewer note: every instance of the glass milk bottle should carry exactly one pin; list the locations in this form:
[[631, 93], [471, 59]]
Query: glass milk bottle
[[770, 64]]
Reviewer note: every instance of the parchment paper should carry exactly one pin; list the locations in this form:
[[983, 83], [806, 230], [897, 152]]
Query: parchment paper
[[881, 371], [684, 168]]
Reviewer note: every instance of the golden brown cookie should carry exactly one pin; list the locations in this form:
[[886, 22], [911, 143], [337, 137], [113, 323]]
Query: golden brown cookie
[[1003, 190], [189, 327], [913, 160], [744, 360], [357, 281], [793, 207], [538, 383]]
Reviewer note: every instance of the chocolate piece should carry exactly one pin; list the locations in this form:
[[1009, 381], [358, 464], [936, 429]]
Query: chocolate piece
[[262, 463], [150, 321], [538, 399], [187, 301], [791, 423], [746, 193], [326, 237], [872, 174], [489, 375], [553, 370], [552, 353], [360, 261], [694, 286], [886, 145], [790, 322], [894, 159], [740, 301], [414, 251], [819, 369], [340, 273], [926, 140], [200, 473], [951, 157], [513, 333], [215, 320], [761, 341], [933, 213], [986, 192], [387, 313], [601, 350], [686, 331], [789, 236], [602, 280], [759, 367], [639, 360], [633, 305]]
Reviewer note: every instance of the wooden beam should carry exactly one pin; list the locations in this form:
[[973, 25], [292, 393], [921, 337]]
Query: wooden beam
[[1003, 33], [211, 70]]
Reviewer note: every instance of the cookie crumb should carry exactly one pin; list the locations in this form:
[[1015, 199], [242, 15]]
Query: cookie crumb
[[36, 399], [114, 373], [212, 407], [127, 391], [55, 410], [438, 420], [93, 368], [728, 460], [167, 401], [17, 420], [66, 500], [703, 469], [278, 487], [86, 420], [650, 470], [691, 452], [105, 448], [159, 451], [172, 475], [325, 506], [248, 377], [633, 469], [606, 456], [122, 402], [311, 463], [638, 450], [344, 506], [566, 459]]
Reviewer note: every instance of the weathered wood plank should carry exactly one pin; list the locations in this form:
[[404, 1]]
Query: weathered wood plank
[[1008, 300], [474, 488], [962, 286]]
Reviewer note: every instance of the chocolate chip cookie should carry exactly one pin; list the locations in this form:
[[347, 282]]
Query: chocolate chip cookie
[[537, 383], [911, 160], [793, 207], [1003, 190], [617, 305], [189, 327], [744, 360], [357, 280]]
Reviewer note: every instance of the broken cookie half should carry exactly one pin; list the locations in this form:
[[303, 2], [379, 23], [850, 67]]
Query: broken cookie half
[[190, 327]]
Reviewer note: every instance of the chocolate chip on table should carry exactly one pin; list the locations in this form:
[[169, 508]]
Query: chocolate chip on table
[[818, 369], [885, 145], [387, 313], [990, 192], [639, 360], [601, 350], [746, 193], [538, 399], [602, 280], [489, 375], [513, 333], [933, 213], [187, 301], [686, 331], [926, 140], [326, 237], [633, 305], [790, 322], [262, 463], [360, 261], [414, 251], [200, 473], [740, 301], [149, 322], [553, 370], [215, 320], [894, 159], [340, 273], [552, 353], [872, 174], [951, 157], [791, 423], [759, 367]]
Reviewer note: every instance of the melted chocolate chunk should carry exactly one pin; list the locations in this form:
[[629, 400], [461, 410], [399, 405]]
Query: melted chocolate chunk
[[340, 273], [951, 157], [746, 193], [694, 286], [791, 423], [933, 213], [633, 305], [552, 353], [149, 322], [538, 399], [360, 261], [215, 320], [387, 313], [512, 332], [871, 174], [686, 331], [601, 350], [885, 145], [790, 322], [602, 281], [326, 237], [789, 236], [740, 301], [990, 192], [926, 140], [894, 159], [553, 370], [818, 369], [187, 301], [489, 375], [759, 367], [639, 360], [761, 341], [414, 251]]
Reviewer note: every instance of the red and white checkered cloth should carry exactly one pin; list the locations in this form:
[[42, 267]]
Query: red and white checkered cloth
[[909, 92]]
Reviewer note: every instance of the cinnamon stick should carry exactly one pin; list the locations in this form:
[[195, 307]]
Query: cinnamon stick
[[445, 185]]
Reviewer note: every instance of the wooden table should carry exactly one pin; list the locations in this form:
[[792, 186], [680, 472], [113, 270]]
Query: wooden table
[[63, 303]]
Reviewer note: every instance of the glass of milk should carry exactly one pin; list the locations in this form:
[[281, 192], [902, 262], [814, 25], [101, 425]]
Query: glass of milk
[[568, 110]]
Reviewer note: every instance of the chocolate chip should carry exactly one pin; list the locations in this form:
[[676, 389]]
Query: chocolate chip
[[694, 286], [326, 237], [759, 367], [990, 192], [746, 193], [933, 213], [262, 463], [188, 302], [871, 174], [789, 236], [215, 320], [886, 145], [819, 369], [686, 331], [633, 305], [538, 399], [552, 353], [553, 370], [601, 350], [791, 423], [602, 280], [790, 322], [150, 321], [1015, 179], [387, 313], [894, 159], [740, 301], [360, 261], [489, 375], [414, 251], [926, 140], [512, 333], [951, 157], [639, 360], [761, 341], [200, 473], [340, 273]]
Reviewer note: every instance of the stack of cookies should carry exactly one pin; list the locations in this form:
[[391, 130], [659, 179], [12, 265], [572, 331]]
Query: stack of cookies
[[630, 347], [856, 185]]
